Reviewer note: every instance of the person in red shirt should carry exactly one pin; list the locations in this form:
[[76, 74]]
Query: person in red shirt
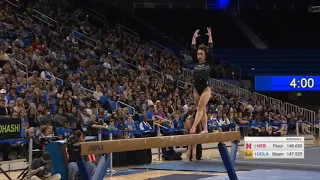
[[37, 45]]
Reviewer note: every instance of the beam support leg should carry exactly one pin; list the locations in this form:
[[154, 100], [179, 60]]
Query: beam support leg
[[234, 151], [228, 163], [84, 174], [103, 165]]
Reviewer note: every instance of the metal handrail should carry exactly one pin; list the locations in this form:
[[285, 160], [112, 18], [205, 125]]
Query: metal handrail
[[151, 5], [95, 14], [85, 90], [213, 93], [125, 62], [34, 10], [164, 119], [182, 82], [85, 36], [43, 20], [135, 35], [127, 105], [26, 71], [12, 3], [163, 76], [126, 57], [157, 124], [159, 46], [48, 81], [269, 116]]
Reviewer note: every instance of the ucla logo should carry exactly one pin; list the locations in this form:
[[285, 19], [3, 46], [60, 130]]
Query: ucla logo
[[96, 148], [248, 154]]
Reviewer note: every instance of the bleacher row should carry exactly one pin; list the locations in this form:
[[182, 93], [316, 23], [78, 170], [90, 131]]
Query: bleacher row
[[61, 131]]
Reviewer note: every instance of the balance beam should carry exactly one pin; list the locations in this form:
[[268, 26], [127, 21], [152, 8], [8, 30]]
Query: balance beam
[[123, 145]]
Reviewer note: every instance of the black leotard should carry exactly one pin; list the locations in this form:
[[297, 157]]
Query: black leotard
[[202, 72]]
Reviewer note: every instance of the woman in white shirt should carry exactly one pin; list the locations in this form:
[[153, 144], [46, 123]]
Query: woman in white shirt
[[225, 122]]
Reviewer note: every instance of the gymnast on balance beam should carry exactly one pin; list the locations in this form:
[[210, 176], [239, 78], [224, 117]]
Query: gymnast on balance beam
[[202, 70]]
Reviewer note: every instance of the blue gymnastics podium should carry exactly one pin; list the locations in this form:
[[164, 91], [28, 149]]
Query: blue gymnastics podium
[[123, 145], [59, 158]]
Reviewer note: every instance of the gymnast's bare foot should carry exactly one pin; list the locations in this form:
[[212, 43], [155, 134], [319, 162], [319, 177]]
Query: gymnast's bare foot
[[189, 154], [204, 132], [188, 158], [193, 158]]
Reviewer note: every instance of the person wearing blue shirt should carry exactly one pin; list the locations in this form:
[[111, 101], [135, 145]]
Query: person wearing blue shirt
[[213, 123], [150, 113], [255, 127], [11, 95], [178, 124], [65, 131], [112, 126], [113, 102], [144, 125], [46, 75], [131, 126]]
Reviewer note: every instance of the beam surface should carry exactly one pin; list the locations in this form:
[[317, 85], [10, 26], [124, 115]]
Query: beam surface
[[122, 145]]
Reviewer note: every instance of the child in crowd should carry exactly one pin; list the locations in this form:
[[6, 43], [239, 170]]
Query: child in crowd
[[65, 131]]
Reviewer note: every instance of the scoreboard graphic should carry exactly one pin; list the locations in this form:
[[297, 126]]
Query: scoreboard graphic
[[274, 148]]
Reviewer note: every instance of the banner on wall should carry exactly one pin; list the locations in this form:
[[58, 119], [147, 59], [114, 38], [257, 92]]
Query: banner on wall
[[10, 128]]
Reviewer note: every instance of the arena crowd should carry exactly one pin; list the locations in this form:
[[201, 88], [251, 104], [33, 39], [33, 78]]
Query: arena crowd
[[72, 76]]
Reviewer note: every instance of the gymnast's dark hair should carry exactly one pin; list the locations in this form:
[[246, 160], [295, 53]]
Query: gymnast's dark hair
[[204, 48]]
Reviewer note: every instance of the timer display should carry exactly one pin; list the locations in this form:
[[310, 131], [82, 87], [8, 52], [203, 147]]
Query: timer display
[[287, 83]]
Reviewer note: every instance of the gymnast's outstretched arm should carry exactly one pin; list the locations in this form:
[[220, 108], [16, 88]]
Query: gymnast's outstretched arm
[[194, 44], [210, 57]]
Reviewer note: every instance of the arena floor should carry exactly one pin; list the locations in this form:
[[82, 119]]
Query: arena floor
[[305, 169]]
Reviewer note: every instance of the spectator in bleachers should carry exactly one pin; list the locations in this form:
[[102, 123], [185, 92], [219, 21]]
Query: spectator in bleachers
[[144, 125], [159, 113], [178, 123], [24, 119], [224, 122], [112, 126], [95, 125], [59, 117], [97, 93], [214, 123], [44, 131], [30, 133], [150, 113], [3, 93], [65, 131], [4, 111], [255, 127], [245, 124]]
